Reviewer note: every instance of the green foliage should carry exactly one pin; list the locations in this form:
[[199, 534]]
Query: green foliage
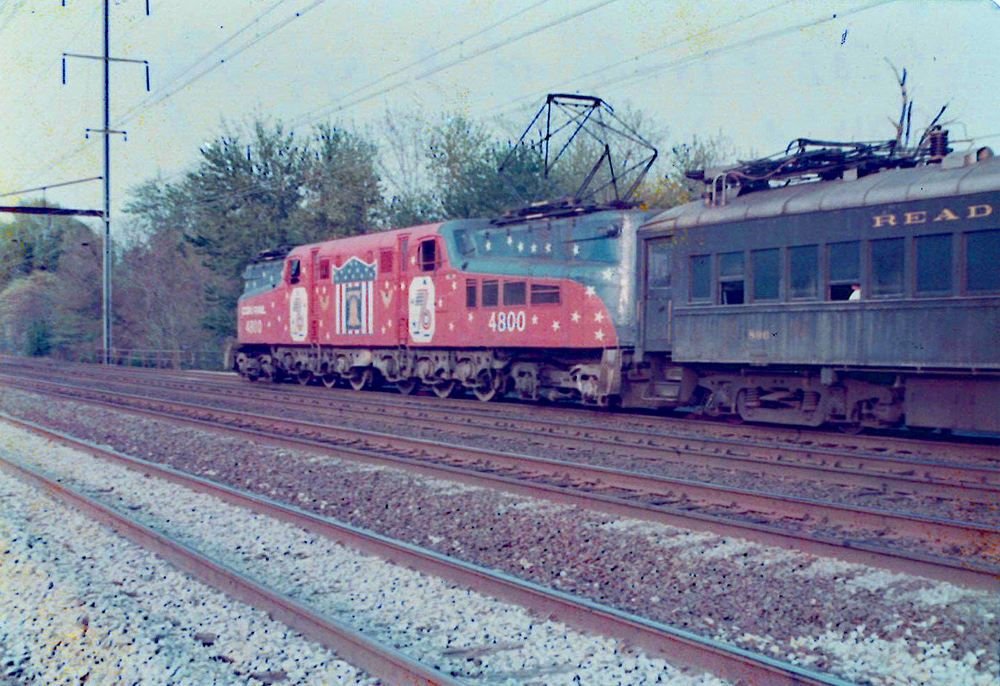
[[675, 188], [38, 338]]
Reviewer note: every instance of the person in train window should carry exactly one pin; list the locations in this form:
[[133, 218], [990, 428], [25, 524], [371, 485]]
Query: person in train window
[[855, 292]]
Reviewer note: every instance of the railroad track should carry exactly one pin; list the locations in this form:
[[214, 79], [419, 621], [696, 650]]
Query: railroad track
[[384, 661], [848, 533]]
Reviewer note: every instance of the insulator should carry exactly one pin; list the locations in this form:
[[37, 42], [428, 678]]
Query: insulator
[[753, 397], [810, 401], [938, 139]]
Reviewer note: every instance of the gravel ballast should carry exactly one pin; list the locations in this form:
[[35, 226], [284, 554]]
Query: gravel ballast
[[454, 630], [847, 619], [79, 604]]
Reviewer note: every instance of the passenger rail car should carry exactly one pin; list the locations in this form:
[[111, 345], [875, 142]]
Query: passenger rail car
[[872, 301]]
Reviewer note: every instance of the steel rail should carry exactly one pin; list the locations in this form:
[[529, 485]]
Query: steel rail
[[354, 647], [898, 474], [939, 479], [658, 488], [674, 644], [767, 436], [966, 572]]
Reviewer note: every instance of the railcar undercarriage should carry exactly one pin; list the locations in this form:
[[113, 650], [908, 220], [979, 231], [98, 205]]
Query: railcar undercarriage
[[852, 400], [590, 377]]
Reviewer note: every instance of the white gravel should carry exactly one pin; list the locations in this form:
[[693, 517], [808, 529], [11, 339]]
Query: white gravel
[[458, 631], [79, 604]]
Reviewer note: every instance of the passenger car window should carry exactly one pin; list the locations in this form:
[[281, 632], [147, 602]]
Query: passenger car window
[[731, 270], [888, 267], [701, 277], [934, 263], [804, 270], [658, 263], [844, 268], [982, 257], [766, 274]]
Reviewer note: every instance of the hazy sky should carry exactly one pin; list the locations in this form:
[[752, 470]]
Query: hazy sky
[[760, 72]]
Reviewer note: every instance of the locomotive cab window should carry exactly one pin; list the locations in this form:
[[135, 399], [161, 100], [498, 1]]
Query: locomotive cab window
[[542, 294], [514, 293], [294, 271], [491, 293], [428, 256], [731, 271], [470, 292], [982, 254], [844, 268], [324, 269]]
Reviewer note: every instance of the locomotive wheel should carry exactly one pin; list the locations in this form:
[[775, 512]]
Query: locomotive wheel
[[361, 380], [487, 386], [445, 389], [304, 377], [329, 380], [406, 386]]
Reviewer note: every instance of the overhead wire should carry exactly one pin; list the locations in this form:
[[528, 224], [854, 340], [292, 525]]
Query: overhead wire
[[148, 101], [245, 46], [434, 54], [330, 109]]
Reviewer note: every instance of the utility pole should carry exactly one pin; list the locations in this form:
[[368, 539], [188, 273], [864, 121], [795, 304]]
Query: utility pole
[[107, 264]]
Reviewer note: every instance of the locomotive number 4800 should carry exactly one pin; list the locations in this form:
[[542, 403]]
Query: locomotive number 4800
[[507, 321], [254, 326]]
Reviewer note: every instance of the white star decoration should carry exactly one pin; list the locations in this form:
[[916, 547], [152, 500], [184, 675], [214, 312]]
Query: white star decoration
[[470, 316], [575, 316], [454, 285], [413, 260], [534, 319], [520, 246], [548, 247], [599, 317], [555, 326], [591, 291], [440, 302], [451, 326], [383, 329], [608, 273], [489, 245], [510, 240], [576, 249], [534, 248], [599, 335]]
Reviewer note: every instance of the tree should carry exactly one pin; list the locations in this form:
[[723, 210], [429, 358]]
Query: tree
[[675, 188]]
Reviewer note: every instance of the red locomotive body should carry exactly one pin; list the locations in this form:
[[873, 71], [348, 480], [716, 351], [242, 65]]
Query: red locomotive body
[[531, 307]]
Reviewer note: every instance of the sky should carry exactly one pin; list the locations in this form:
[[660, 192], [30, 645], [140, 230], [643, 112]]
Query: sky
[[758, 72]]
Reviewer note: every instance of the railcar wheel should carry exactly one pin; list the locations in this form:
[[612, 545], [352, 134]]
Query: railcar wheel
[[446, 389], [407, 386], [363, 379]]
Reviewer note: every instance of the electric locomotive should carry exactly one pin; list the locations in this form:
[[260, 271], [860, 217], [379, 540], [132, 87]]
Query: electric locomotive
[[539, 303]]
